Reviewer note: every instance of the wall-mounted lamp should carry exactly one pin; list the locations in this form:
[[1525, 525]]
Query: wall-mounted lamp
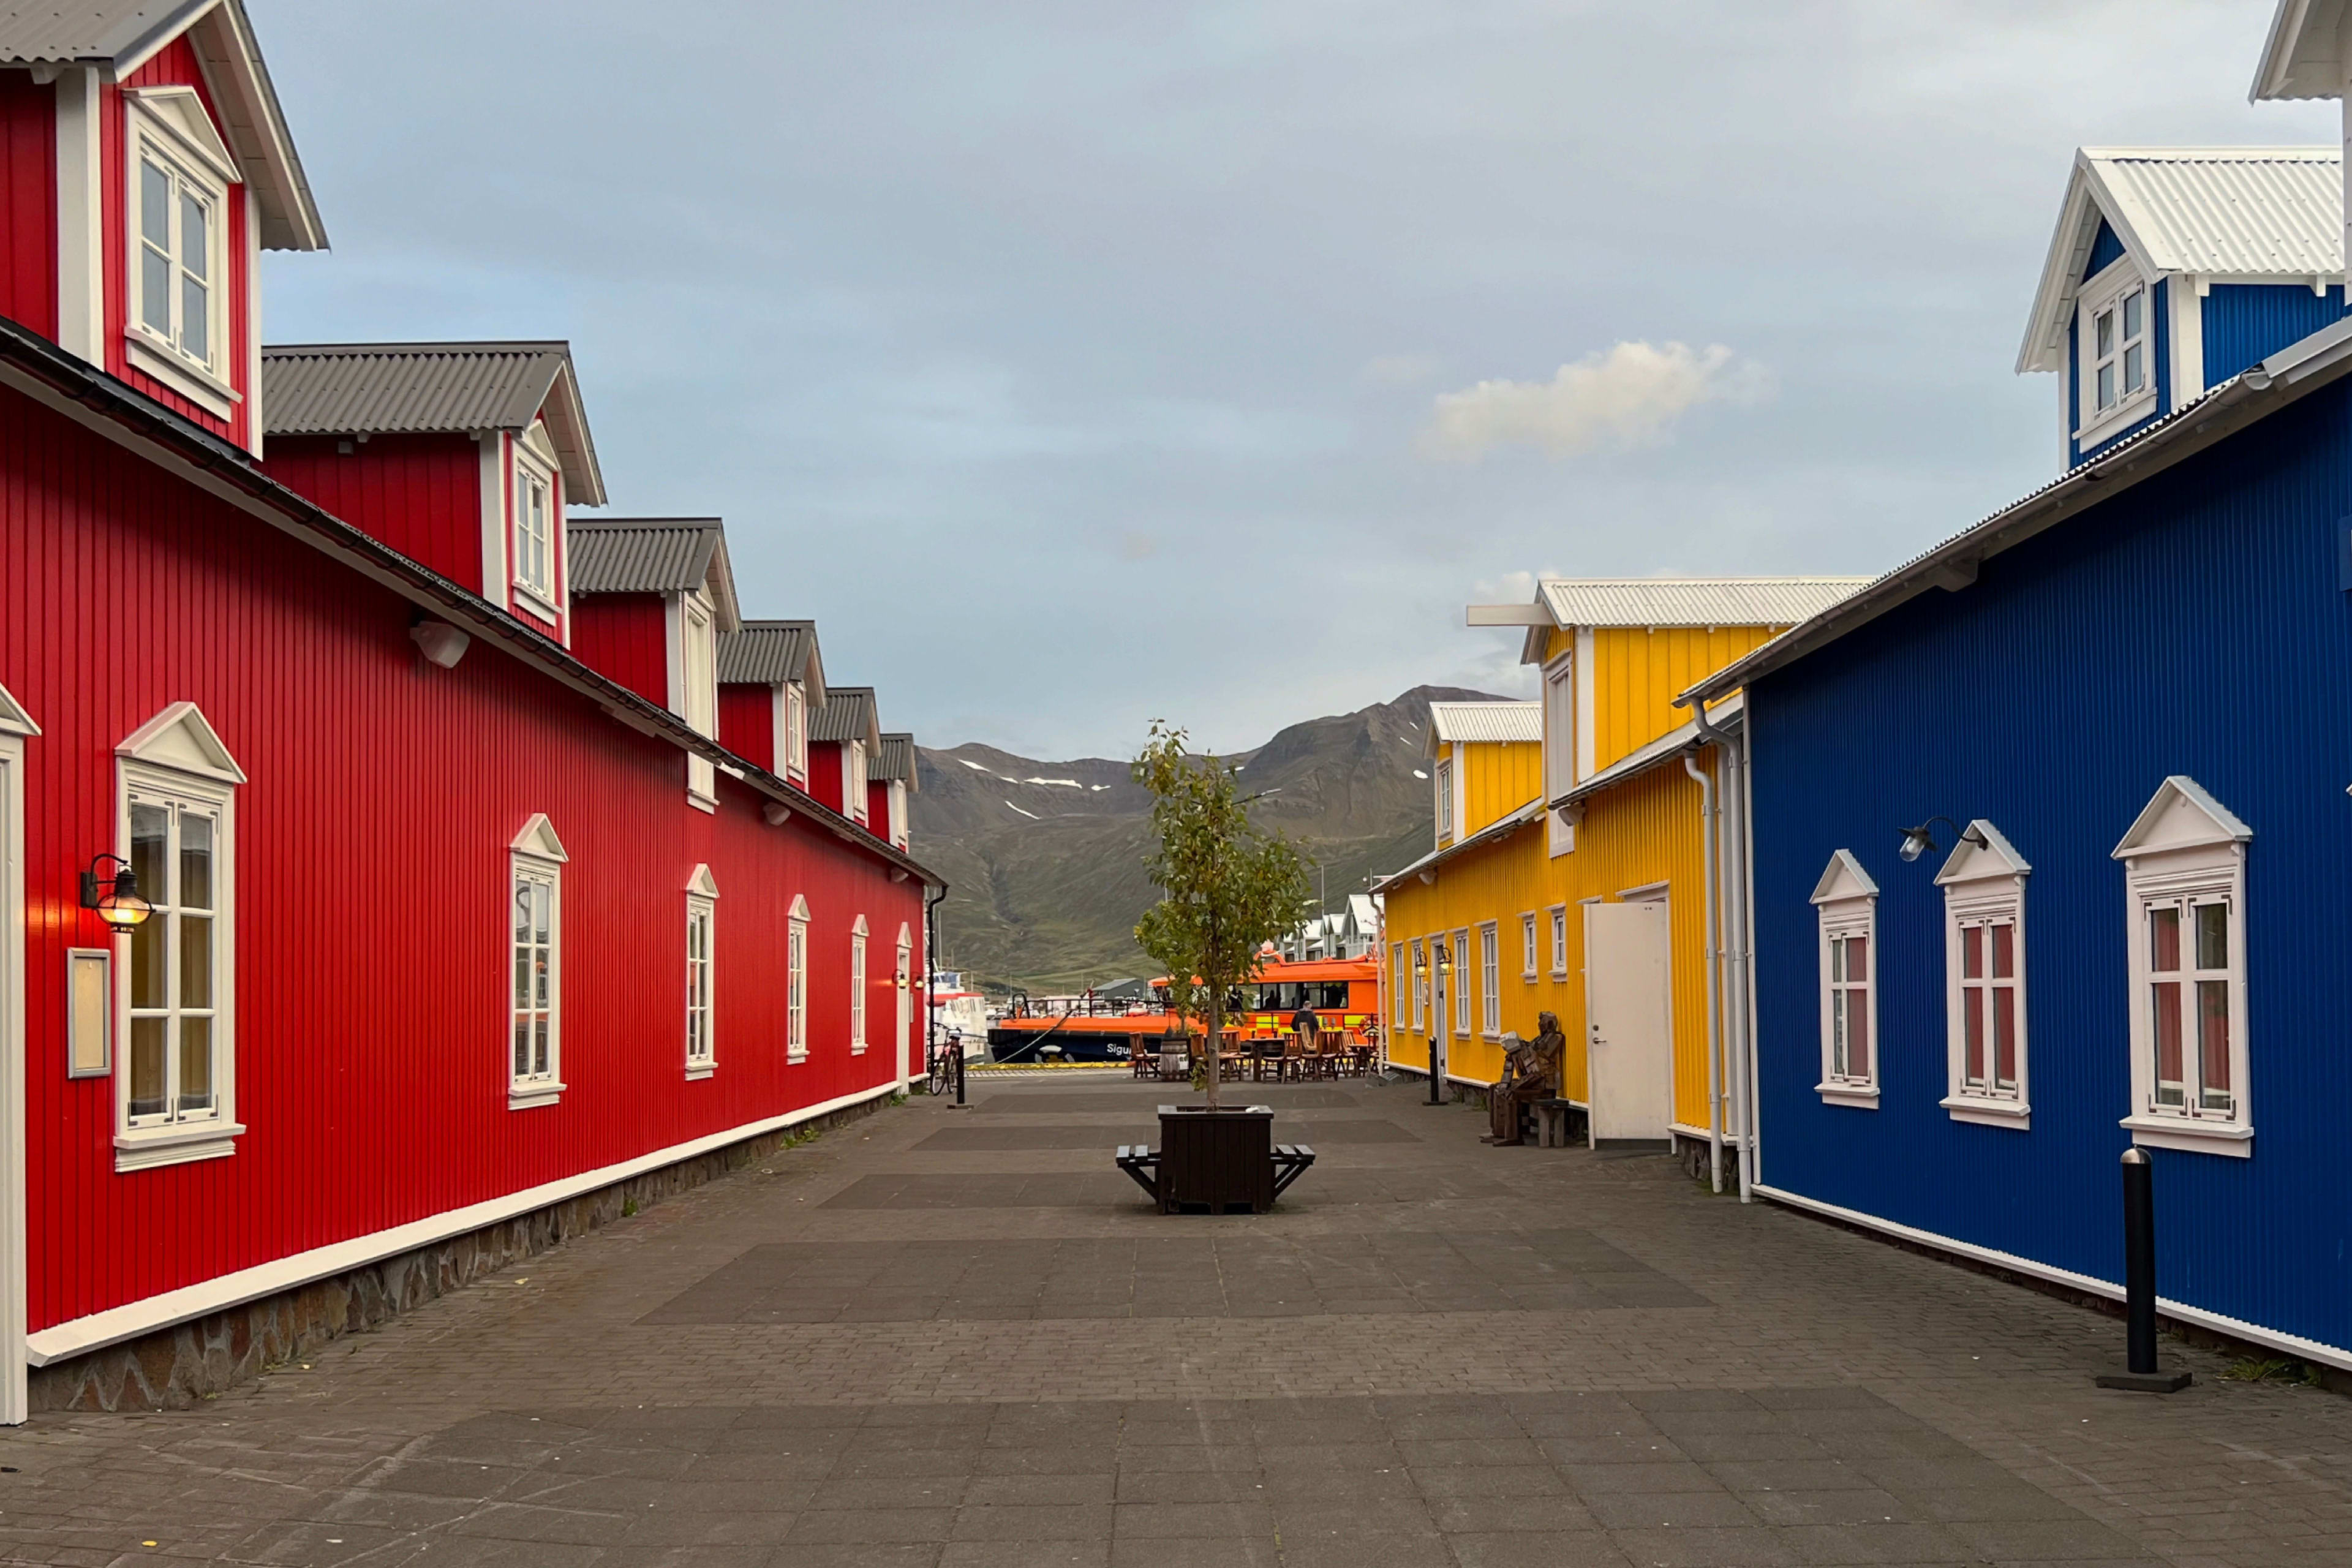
[[114, 896], [776, 814], [898, 873], [440, 643], [1921, 841]]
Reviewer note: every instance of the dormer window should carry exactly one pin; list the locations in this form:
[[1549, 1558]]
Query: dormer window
[[853, 763], [1444, 799], [179, 173], [534, 523], [2118, 350], [795, 731]]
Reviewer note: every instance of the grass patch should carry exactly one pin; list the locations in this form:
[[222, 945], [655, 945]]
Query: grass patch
[[2272, 1369]]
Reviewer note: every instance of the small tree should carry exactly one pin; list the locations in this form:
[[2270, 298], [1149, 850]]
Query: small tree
[[1227, 887]]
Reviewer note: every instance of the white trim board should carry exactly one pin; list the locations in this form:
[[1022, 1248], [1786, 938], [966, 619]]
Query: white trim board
[[2237, 1327], [79, 1336]]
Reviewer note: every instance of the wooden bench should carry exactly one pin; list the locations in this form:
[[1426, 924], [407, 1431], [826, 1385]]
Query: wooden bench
[[1552, 1122], [1290, 1162], [1139, 1162]]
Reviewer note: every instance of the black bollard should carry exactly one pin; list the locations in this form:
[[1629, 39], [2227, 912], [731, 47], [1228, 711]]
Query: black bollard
[[958, 1051], [2139, 1284]]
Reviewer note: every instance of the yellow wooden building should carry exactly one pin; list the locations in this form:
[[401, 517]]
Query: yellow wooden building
[[1571, 842]]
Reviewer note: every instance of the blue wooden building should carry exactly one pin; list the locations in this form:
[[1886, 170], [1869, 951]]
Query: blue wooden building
[[2049, 834]]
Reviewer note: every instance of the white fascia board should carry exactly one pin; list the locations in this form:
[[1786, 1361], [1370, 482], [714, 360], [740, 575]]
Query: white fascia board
[[2180, 1311], [1536, 614], [79, 1336]]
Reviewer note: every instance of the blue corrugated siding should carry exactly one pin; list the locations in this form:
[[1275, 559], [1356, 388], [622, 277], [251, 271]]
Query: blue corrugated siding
[[2191, 625], [2105, 249], [2246, 324]]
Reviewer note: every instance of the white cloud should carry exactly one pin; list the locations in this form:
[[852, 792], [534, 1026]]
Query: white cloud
[[1629, 395]]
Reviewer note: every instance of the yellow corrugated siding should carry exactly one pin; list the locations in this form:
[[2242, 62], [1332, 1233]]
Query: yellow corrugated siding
[[1636, 673], [1499, 776], [1646, 831]]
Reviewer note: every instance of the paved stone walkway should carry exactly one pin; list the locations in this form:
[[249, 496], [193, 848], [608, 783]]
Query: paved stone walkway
[[945, 1340]]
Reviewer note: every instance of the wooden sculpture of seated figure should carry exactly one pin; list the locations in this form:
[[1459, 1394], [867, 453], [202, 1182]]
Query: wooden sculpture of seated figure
[[1530, 1072]]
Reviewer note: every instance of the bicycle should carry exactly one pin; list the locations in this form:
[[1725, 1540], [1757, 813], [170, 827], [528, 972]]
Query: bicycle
[[946, 1055]]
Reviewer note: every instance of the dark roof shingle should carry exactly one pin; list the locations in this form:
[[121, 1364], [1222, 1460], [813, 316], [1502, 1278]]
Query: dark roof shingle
[[769, 653], [653, 556], [896, 760], [847, 715]]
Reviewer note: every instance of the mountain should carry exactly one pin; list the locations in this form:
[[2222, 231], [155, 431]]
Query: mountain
[[1045, 860]]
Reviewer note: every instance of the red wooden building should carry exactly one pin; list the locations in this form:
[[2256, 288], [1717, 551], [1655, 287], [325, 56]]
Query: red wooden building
[[464, 902]]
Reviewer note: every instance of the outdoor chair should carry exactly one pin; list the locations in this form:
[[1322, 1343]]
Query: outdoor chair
[[1141, 1061]]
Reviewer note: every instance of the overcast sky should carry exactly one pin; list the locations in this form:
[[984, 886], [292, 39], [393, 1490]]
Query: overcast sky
[[1078, 363]]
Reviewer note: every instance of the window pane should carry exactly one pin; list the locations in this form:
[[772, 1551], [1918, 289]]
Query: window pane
[[195, 890], [1837, 959], [2164, 1004], [2004, 1035], [542, 904], [1837, 1033], [148, 961], [2135, 369], [1973, 952], [2213, 1042], [154, 206], [2134, 303], [2104, 333], [523, 911], [1857, 959], [2212, 936], [2163, 941], [146, 1067], [195, 1065], [155, 290], [1858, 1030], [196, 238], [539, 1046], [195, 961], [539, 978], [2106, 386], [2004, 952], [522, 1047], [1972, 1033], [521, 978], [196, 321]]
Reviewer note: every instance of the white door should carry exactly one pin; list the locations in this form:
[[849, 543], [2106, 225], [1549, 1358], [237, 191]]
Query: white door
[[906, 990], [1629, 1033]]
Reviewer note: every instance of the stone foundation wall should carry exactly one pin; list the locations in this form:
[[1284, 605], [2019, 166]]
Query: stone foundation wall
[[173, 1368]]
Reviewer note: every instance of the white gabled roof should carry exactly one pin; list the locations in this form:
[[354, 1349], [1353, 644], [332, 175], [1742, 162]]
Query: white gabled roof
[[1691, 601], [2265, 214], [2299, 60], [1467, 722]]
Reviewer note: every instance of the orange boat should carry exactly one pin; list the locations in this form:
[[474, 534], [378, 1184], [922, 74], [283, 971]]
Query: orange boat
[[1343, 992]]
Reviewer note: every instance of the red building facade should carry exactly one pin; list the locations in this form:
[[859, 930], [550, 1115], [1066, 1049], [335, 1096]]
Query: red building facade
[[450, 920]]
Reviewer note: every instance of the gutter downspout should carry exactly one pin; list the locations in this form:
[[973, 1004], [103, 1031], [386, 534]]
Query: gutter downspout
[[1738, 905], [1714, 963]]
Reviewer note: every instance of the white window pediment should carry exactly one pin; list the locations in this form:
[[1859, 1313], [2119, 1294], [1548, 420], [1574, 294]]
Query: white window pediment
[[14, 720], [535, 441], [857, 926], [701, 884], [538, 838], [1994, 858], [799, 910], [179, 112], [1842, 879], [181, 739], [2181, 815]]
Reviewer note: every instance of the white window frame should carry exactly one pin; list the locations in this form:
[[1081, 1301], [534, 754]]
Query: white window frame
[[1420, 988], [1845, 900], [693, 622], [1490, 980], [177, 760], [535, 858], [795, 767], [701, 974], [796, 981], [2185, 850], [1444, 783], [1462, 983], [858, 934], [1400, 988], [1984, 890], [532, 571], [1559, 748], [168, 127], [1559, 942], [1528, 947], [852, 781], [2100, 295], [898, 823]]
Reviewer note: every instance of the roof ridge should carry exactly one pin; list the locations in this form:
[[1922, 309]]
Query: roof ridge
[[2310, 152], [425, 346]]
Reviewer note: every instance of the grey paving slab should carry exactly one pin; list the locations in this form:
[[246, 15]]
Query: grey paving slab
[[891, 1347]]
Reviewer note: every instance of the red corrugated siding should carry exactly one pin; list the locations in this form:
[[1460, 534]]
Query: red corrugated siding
[[824, 773], [28, 203], [747, 723], [174, 66], [371, 867], [624, 637], [878, 808], [420, 494]]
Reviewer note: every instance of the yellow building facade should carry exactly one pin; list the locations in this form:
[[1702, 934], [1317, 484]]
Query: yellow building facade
[[1580, 799]]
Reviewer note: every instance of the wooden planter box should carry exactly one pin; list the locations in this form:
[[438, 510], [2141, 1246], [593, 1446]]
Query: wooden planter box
[[1221, 1162]]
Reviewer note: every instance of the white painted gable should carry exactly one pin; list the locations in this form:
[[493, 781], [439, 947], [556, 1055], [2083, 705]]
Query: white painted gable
[[14, 720], [1844, 878], [181, 738], [2181, 815], [1972, 862], [538, 838]]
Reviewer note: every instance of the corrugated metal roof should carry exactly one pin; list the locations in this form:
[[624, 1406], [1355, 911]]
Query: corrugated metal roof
[[896, 760], [848, 714], [1692, 601], [2299, 56], [351, 389], [653, 556], [766, 653], [2228, 212], [63, 31], [1466, 721]]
